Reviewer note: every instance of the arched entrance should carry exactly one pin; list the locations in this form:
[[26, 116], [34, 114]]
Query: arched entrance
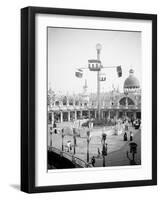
[[127, 105], [126, 100]]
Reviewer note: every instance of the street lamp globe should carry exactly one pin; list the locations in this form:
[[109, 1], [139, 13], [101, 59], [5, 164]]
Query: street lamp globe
[[98, 47]]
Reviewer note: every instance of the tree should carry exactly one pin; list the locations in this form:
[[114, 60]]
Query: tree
[[51, 97]]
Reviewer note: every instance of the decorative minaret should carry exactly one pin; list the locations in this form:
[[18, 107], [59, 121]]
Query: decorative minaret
[[85, 94], [85, 87]]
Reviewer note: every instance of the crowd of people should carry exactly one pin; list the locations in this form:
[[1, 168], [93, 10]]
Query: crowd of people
[[122, 127]]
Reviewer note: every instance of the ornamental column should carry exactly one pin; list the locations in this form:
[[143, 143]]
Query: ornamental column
[[81, 114], [109, 114], [61, 116], [75, 113], [52, 117], [68, 116]]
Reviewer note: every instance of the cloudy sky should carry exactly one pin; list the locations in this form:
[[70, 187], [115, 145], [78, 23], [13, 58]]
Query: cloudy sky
[[69, 49]]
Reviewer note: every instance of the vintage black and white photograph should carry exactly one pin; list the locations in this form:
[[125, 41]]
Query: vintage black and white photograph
[[94, 98], [89, 99]]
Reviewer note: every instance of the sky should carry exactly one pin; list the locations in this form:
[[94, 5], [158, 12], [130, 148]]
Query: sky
[[69, 49]]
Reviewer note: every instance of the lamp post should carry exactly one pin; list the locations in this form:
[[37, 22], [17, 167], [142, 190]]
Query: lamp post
[[98, 49], [95, 65], [62, 131], [88, 140], [74, 140], [104, 148]]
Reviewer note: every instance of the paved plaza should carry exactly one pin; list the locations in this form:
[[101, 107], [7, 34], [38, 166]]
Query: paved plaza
[[119, 157], [116, 146]]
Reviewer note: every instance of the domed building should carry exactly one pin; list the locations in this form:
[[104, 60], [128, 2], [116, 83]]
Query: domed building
[[131, 100], [131, 83]]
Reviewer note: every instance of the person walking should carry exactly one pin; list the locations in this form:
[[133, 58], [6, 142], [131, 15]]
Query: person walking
[[99, 153], [55, 128], [93, 161], [125, 136], [51, 131], [69, 145]]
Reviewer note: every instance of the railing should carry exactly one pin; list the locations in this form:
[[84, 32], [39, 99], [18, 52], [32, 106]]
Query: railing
[[75, 160]]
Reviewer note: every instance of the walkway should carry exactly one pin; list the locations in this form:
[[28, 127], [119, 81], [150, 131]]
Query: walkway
[[115, 143], [119, 157]]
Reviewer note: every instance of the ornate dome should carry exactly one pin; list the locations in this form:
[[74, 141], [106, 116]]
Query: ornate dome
[[131, 83]]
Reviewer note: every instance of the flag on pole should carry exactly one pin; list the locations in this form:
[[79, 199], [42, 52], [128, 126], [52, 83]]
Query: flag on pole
[[119, 71], [79, 73]]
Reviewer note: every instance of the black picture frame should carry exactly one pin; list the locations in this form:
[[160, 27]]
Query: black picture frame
[[28, 98]]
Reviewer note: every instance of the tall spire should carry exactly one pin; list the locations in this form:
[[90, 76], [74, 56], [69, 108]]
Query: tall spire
[[85, 93], [85, 86]]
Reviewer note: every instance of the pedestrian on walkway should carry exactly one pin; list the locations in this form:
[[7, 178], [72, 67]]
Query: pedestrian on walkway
[[99, 153], [55, 128], [131, 136], [93, 161], [54, 125], [69, 145], [125, 136]]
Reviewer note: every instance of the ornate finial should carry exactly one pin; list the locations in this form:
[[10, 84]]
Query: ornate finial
[[131, 71]]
